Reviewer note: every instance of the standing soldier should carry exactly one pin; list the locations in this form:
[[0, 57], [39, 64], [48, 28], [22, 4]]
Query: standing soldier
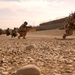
[[22, 30], [70, 26]]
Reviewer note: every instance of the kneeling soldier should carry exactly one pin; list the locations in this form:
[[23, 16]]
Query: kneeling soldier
[[22, 30]]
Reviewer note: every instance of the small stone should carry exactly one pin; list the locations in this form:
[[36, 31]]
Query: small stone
[[56, 74], [73, 59], [13, 73], [29, 47], [1, 61], [4, 73], [1, 68], [68, 61], [68, 71]]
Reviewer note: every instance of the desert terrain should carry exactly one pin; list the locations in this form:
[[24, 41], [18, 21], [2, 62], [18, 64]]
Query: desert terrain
[[45, 49]]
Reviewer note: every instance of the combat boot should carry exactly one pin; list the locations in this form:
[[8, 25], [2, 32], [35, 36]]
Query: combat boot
[[64, 36]]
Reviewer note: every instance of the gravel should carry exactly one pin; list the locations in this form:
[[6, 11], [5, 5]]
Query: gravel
[[52, 56]]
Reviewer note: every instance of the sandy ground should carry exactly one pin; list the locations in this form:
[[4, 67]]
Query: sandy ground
[[45, 49]]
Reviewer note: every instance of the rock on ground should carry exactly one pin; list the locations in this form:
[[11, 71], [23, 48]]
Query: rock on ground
[[52, 56]]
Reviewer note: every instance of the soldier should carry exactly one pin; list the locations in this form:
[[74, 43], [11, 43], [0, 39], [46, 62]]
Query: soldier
[[22, 30], [8, 32], [14, 33], [1, 31], [70, 26]]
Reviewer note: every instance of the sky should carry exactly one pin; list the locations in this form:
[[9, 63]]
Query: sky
[[13, 13]]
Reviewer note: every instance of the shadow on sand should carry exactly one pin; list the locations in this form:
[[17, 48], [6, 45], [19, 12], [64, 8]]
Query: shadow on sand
[[65, 39]]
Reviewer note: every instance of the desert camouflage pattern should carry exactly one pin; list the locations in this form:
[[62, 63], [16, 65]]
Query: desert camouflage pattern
[[22, 30], [11, 32], [70, 25], [14, 32], [7, 32]]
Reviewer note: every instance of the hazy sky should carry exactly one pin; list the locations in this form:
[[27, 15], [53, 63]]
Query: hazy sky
[[14, 12]]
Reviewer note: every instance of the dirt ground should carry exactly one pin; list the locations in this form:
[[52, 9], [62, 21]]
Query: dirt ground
[[45, 49]]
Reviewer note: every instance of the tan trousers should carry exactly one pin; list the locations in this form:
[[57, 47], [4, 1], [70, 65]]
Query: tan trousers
[[22, 34]]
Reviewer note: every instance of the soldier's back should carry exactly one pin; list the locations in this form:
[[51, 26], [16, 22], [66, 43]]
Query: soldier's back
[[22, 28]]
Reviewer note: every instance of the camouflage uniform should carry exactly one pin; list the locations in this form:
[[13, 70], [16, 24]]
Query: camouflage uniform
[[70, 26], [1, 31], [22, 30], [14, 33], [8, 32]]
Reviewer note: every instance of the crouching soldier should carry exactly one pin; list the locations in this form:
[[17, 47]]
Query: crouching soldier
[[1, 31], [70, 26], [7, 32], [22, 30], [14, 33]]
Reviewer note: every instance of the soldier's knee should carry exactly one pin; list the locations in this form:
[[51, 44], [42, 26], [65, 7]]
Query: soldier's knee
[[70, 33]]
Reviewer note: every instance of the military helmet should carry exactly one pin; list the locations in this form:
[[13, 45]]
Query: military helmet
[[25, 23]]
